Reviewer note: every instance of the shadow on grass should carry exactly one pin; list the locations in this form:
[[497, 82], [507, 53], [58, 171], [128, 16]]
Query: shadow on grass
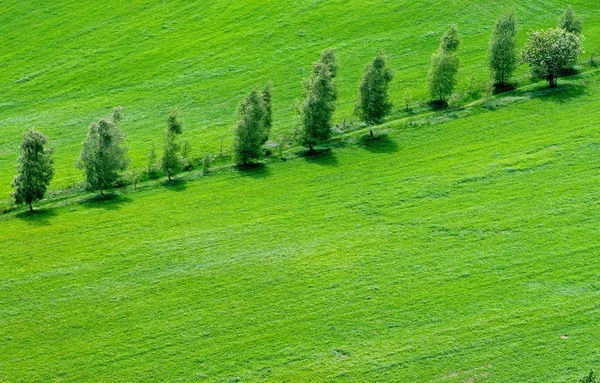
[[437, 105], [175, 184], [258, 170], [110, 201], [561, 94], [323, 156], [499, 88], [380, 143], [39, 217]]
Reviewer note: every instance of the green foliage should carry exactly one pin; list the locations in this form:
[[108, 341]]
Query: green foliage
[[450, 41], [316, 111], [206, 163], [502, 55], [589, 378], [249, 132], [266, 98], [551, 51], [152, 158], [171, 161], [441, 78], [373, 102], [103, 156], [35, 167], [569, 22]]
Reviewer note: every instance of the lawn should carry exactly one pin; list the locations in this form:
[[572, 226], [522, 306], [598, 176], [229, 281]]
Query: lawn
[[461, 248]]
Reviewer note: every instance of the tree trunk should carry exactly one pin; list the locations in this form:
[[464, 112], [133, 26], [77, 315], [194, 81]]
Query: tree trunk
[[552, 80], [311, 150], [30, 207], [371, 130]]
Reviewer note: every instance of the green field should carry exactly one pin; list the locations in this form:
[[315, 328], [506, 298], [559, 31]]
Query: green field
[[463, 247]]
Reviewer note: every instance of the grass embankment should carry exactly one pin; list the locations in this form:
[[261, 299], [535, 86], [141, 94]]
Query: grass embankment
[[65, 63], [465, 250]]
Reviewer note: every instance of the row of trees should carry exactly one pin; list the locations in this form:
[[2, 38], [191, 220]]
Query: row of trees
[[549, 53], [104, 156]]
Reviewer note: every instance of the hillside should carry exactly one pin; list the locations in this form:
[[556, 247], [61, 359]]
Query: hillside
[[66, 63], [464, 250]]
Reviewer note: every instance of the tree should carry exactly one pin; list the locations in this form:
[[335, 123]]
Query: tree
[[441, 78], [318, 106], [450, 41], [268, 112], [249, 130], [373, 103], [170, 161], [103, 157], [551, 51], [35, 167], [502, 54], [569, 22]]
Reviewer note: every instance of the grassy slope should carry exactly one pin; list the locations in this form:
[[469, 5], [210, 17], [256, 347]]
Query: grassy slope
[[452, 252], [66, 63]]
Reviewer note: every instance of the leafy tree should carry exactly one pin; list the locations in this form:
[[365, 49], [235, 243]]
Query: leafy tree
[[319, 102], [551, 51], [441, 78], [170, 161], [35, 167], [450, 41], [249, 130], [103, 157], [503, 49], [569, 22], [266, 97], [373, 103], [152, 160]]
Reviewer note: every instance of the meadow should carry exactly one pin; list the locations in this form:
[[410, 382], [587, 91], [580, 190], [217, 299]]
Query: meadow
[[64, 64], [458, 246]]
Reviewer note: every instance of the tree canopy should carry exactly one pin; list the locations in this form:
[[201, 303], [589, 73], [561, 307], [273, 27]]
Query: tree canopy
[[551, 51], [35, 169], [502, 55], [373, 103]]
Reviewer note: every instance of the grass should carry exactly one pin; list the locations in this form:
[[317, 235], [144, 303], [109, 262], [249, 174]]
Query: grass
[[65, 64], [462, 247]]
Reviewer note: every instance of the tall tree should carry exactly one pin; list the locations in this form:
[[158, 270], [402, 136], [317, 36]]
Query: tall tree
[[318, 106], [170, 161], [551, 51], [266, 96], [502, 54], [441, 78], [373, 103], [35, 167], [103, 157], [249, 130], [569, 22]]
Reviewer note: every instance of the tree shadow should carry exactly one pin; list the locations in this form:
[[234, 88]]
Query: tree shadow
[[561, 94], [175, 184], [256, 170], [324, 156], [438, 104], [502, 88], [37, 217], [110, 201], [380, 143]]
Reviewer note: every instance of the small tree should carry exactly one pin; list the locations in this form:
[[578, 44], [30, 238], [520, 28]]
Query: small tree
[[170, 161], [318, 106], [569, 22], [266, 97], [450, 41], [249, 130], [551, 51], [503, 49], [103, 157], [441, 78], [35, 169], [152, 160], [373, 103], [206, 163]]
